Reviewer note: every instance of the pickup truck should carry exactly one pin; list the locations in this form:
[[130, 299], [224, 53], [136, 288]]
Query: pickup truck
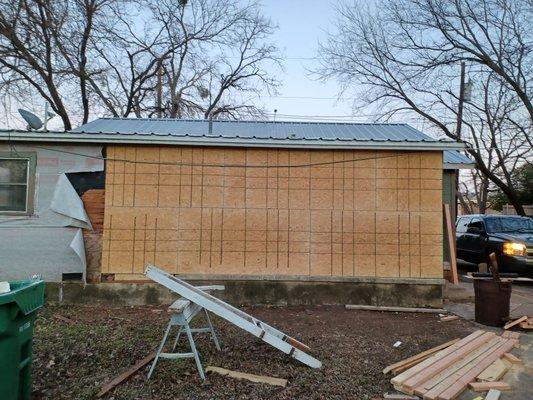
[[510, 237]]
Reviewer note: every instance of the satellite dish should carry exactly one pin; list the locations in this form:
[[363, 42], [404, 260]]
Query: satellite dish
[[34, 122]]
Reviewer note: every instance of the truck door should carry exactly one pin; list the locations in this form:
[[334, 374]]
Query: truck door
[[460, 229], [475, 240]]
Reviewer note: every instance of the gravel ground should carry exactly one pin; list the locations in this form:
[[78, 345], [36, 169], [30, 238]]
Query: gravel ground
[[72, 360]]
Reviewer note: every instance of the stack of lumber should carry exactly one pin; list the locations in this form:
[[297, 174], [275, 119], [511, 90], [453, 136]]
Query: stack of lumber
[[523, 322], [444, 372]]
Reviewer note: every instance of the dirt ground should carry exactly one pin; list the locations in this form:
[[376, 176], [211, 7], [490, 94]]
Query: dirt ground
[[74, 360]]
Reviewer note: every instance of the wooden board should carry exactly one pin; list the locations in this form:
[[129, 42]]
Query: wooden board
[[249, 377], [486, 386], [94, 204], [445, 362], [493, 372], [450, 236], [515, 322], [511, 335], [395, 309], [418, 357], [512, 358], [434, 386], [398, 380], [125, 375], [526, 325], [460, 385], [449, 318]]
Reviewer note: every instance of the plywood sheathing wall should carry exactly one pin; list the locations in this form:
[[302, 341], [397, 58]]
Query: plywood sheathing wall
[[378, 217]]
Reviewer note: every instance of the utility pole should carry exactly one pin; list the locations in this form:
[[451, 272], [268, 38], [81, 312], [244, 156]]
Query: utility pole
[[159, 89], [461, 102], [458, 134]]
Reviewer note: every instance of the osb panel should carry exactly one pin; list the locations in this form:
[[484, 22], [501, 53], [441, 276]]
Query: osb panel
[[272, 212]]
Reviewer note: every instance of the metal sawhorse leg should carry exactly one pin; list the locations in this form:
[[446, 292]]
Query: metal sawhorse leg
[[183, 312]]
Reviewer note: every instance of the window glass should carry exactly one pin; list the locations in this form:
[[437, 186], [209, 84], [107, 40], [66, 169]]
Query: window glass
[[510, 224], [462, 224], [13, 171], [13, 184], [476, 223]]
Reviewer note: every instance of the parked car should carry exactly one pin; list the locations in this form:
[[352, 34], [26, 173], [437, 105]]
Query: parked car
[[509, 236]]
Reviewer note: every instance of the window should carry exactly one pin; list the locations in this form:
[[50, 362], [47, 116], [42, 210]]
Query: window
[[17, 181], [462, 224], [477, 223], [509, 224]]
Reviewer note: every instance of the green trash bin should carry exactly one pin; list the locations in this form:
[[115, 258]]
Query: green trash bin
[[17, 315]]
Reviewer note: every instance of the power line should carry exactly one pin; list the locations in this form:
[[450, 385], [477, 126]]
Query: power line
[[220, 165], [213, 165]]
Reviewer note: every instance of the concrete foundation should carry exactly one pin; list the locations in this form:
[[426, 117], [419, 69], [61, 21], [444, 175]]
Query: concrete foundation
[[259, 292]]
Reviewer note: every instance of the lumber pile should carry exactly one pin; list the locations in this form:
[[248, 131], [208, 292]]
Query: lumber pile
[[478, 361], [524, 322]]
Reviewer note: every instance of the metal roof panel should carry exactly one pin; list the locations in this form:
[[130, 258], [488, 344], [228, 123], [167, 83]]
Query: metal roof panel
[[256, 129]]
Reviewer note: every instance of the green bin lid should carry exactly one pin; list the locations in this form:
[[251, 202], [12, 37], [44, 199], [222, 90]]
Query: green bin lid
[[28, 294]]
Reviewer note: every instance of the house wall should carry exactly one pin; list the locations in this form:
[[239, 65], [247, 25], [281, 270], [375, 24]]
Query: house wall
[[49, 242], [379, 217]]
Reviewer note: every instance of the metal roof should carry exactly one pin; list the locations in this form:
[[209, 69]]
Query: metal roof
[[456, 160], [280, 130], [248, 133]]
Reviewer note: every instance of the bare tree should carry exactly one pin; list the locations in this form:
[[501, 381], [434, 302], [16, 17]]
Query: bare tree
[[202, 58], [220, 50], [403, 56]]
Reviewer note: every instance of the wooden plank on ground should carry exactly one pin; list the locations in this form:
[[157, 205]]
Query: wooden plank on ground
[[398, 380], [494, 372], [395, 309], [512, 358], [460, 385], [439, 382], [419, 356], [449, 318], [493, 394], [445, 362], [511, 335], [515, 322], [526, 325], [250, 377], [125, 375], [450, 235], [398, 396], [486, 386]]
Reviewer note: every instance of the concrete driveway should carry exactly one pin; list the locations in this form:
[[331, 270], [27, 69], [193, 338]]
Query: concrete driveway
[[460, 301]]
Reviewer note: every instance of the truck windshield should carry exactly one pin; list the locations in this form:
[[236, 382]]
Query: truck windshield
[[509, 224]]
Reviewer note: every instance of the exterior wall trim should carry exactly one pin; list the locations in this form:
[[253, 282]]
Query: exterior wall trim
[[103, 138]]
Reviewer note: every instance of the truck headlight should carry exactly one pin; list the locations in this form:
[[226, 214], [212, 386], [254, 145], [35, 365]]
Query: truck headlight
[[514, 249]]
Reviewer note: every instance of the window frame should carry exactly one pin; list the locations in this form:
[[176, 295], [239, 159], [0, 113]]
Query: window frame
[[30, 180]]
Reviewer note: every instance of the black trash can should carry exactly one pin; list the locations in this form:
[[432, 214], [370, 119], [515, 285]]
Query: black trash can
[[493, 300]]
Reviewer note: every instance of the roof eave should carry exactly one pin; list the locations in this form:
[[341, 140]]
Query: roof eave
[[458, 166], [103, 138]]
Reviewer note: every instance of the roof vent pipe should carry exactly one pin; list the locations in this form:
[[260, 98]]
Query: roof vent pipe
[[210, 129]]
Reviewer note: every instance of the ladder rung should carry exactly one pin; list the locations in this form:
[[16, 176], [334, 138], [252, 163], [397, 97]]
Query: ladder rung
[[176, 355]]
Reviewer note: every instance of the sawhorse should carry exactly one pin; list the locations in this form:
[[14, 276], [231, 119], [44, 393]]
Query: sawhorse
[[182, 312]]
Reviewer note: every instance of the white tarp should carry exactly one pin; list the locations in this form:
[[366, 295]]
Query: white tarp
[[66, 201], [49, 242]]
